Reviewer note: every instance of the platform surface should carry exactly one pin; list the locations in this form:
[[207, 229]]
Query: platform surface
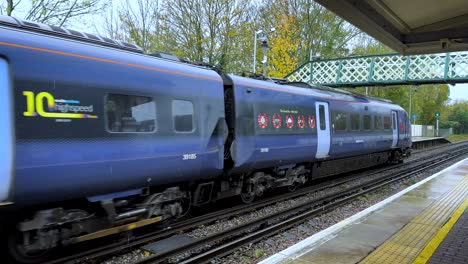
[[396, 230], [417, 139]]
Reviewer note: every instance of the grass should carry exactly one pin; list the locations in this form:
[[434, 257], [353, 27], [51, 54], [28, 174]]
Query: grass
[[410, 182], [374, 195], [258, 253], [455, 138]]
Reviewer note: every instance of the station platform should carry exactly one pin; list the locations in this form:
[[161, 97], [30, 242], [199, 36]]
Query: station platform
[[426, 142], [425, 223]]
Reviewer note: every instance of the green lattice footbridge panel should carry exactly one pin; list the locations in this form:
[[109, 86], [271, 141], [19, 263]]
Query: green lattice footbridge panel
[[390, 69]]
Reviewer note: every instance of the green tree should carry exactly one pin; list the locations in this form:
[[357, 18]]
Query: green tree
[[320, 33], [429, 99], [426, 99], [221, 32], [457, 116], [367, 46]]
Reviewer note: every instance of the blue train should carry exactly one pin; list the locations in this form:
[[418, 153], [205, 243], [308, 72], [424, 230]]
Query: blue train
[[98, 138]]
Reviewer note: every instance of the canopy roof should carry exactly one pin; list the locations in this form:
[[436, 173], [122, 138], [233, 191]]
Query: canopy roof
[[409, 26]]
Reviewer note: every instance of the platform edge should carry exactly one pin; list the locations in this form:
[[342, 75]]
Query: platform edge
[[327, 234]]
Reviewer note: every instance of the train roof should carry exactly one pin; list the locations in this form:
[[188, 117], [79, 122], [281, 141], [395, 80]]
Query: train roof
[[340, 91], [68, 33], [309, 90], [107, 50], [90, 38]]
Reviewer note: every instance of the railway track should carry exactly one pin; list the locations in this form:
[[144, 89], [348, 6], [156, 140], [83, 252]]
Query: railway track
[[139, 240], [271, 225], [182, 226]]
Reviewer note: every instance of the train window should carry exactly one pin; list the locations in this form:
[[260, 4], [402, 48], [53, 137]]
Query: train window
[[366, 121], [130, 113], [322, 117], [387, 123], [182, 112], [355, 122], [378, 125], [340, 121]]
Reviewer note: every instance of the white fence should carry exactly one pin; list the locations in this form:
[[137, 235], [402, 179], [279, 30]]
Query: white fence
[[428, 131]]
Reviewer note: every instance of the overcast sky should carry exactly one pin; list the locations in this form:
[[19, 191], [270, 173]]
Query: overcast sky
[[459, 91]]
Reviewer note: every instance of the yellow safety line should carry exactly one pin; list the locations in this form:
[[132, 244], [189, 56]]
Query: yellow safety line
[[405, 245], [431, 247]]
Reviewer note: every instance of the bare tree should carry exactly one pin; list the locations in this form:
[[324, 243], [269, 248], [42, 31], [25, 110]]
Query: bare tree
[[56, 12], [112, 26], [10, 7], [140, 21], [209, 31], [221, 32]]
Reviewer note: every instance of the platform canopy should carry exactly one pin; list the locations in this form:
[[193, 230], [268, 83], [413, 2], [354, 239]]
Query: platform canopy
[[409, 26]]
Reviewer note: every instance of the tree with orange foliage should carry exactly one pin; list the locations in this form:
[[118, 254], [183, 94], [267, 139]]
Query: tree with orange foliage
[[283, 46]]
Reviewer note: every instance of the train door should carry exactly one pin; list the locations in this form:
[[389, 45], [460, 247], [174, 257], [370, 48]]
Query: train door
[[323, 129], [394, 128], [7, 135]]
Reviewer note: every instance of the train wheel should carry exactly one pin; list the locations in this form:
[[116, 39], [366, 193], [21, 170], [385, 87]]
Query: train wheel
[[20, 254], [293, 187], [396, 157], [247, 197]]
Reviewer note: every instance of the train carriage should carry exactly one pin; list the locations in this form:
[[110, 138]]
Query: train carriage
[[286, 135]]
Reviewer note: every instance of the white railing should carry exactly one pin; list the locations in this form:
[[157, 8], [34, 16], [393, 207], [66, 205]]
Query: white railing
[[429, 131]]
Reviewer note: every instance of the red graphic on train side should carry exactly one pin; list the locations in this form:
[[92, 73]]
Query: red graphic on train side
[[289, 121], [262, 120], [300, 121], [311, 122], [276, 120]]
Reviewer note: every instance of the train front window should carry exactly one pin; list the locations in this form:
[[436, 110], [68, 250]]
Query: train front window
[[130, 113], [182, 112]]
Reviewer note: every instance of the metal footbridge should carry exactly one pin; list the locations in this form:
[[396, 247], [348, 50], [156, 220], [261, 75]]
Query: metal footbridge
[[390, 69]]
